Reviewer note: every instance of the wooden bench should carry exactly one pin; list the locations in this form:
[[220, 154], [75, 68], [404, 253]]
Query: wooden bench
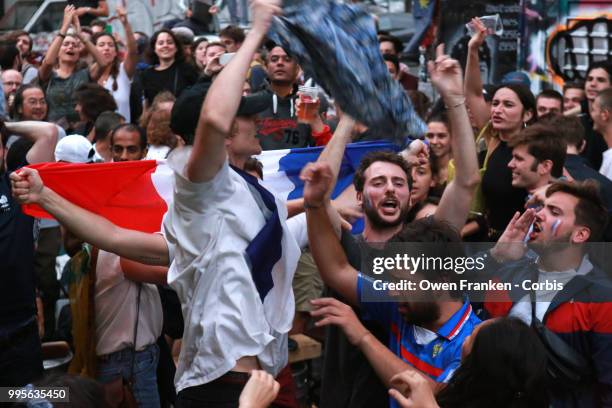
[[308, 348]]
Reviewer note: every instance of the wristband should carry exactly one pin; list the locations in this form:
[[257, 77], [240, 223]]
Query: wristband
[[455, 106], [61, 35]]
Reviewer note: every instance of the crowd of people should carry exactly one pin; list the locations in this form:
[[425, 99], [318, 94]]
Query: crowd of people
[[198, 313]]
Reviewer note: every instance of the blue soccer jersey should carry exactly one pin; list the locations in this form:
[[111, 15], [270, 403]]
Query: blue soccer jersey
[[436, 354]]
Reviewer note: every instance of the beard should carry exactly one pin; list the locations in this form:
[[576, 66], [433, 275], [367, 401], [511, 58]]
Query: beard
[[548, 247], [421, 313], [377, 221]]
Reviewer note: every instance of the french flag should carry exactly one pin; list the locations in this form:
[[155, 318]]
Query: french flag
[[136, 194]]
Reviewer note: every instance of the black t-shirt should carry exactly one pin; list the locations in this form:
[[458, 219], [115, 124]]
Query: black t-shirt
[[595, 143], [17, 291], [177, 77], [87, 18], [349, 381], [501, 199]]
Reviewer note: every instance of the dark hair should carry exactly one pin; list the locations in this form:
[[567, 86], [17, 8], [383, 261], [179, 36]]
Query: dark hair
[[18, 101], [269, 46], [567, 128], [605, 99], [197, 42], [130, 127], [8, 53], [550, 94], [394, 60], [115, 64], [153, 58], [420, 102], [14, 36], [105, 123], [233, 32], [441, 241], [397, 43], [380, 156], [525, 96], [573, 85], [439, 116], [603, 64], [141, 42], [252, 164], [506, 368], [590, 210], [488, 90], [87, 29], [543, 143], [98, 22], [94, 99], [84, 392]]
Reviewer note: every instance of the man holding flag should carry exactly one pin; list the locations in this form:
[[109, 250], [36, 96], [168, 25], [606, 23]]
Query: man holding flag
[[231, 252]]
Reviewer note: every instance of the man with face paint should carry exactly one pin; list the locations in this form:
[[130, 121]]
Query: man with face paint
[[382, 183], [578, 308]]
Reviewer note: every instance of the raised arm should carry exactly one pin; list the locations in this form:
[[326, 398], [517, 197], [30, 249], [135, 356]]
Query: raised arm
[[131, 60], [455, 203], [151, 249], [334, 150], [44, 136], [44, 71], [473, 83], [223, 98], [324, 244], [96, 69]]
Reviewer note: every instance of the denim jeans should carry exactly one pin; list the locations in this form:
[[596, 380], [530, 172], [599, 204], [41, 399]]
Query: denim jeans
[[119, 364]]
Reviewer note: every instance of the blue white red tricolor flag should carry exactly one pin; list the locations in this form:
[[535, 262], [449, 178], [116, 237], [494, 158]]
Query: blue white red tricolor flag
[[136, 194]]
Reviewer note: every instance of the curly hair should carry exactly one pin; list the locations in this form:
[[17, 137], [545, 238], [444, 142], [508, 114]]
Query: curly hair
[[152, 56], [94, 99]]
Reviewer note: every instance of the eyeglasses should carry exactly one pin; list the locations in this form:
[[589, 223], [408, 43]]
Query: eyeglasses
[[12, 83]]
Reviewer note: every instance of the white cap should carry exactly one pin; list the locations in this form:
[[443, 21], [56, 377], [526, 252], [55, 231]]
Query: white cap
[[74, 149]]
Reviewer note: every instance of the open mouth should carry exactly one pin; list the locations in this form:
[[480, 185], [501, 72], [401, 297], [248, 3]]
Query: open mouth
[[535, 230], [390, 205]]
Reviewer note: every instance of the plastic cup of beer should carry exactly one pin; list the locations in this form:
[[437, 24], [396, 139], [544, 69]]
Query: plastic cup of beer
[[492, 23], [309, 97]]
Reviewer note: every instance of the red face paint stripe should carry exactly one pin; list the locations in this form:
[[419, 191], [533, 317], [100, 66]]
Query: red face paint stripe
[[414, 360]]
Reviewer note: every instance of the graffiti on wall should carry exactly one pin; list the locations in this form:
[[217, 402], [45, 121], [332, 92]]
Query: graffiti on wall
[[562, 37]]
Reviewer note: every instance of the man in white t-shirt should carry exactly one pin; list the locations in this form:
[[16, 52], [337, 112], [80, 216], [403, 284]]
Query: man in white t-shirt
[[232, 259]]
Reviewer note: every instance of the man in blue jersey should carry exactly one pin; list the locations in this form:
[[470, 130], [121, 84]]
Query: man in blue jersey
[[425, 335]]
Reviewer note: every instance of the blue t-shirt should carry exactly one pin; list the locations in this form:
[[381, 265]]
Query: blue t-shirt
[[436, 354]]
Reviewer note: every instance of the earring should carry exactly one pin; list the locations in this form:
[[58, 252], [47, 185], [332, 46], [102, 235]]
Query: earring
[[524, 125]]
